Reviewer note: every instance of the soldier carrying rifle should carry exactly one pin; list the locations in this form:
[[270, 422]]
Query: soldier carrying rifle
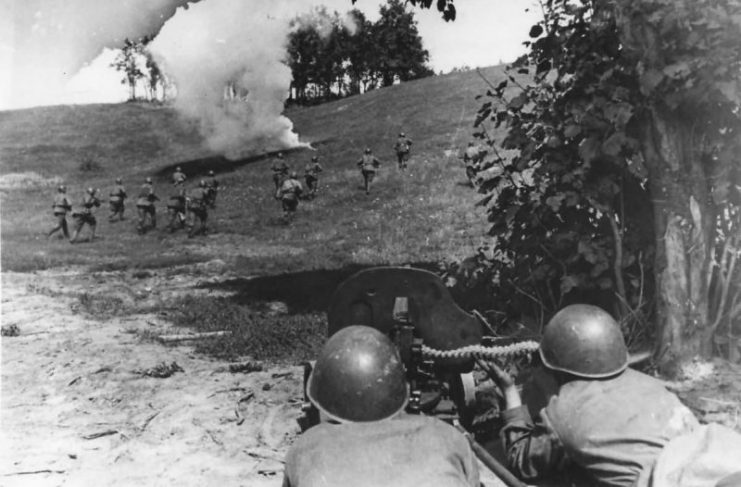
[[116, 200], [60, 207], [85, 215], [368, 165], [311, 176], [145, 206]]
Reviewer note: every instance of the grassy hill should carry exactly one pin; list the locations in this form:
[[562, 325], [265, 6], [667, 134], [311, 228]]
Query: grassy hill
[[422, 215]]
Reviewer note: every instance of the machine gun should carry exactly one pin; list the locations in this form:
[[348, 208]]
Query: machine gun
[[437, 341]]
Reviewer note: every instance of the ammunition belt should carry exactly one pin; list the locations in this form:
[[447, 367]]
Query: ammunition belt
[[471, 351]]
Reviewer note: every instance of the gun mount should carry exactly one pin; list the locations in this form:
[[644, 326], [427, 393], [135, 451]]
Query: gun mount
[[437, 340]]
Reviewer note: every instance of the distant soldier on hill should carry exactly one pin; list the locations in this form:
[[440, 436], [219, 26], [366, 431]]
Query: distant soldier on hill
[[116, 199], [176, 210], [280, 170], [212, 189], [472, 161], [178, 177], [402, 147], [85, 215], [311, 176], [145, 206], [368, 165], [60, 207], [288, 194], [197, 203]]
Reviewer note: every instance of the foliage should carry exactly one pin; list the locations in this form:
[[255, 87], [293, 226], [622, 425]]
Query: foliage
[[137, 64], [330, 58]]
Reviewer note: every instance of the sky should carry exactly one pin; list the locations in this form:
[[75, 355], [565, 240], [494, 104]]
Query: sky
[[59, 51]]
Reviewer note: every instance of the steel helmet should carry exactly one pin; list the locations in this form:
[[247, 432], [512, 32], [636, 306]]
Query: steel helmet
[[367, 150], [90, 190], [293, 175], [358, 377], [62, 188], [118, 180], [202, 183], [148, 180], [402, 134], [280, 155], [584, 341], [210, 173], [178, 169], [314, 159]]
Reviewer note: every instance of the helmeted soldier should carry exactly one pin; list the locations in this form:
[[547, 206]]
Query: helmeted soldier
[[212, 189], [289, 193], [403, 147], [311, 176], [60, 207], [280, 170], [84, 216], [116, 199], [368, 166], [176, 210], [145, 206], [607, 424], [365, 438], [178, 177], [198, 208]]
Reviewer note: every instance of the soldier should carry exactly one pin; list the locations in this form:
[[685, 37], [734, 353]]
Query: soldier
[[365, 438], [178, 177], [198, 207], [471, 159], [402, 147], [607, 424], [176, 210], [212, 189], [288, 193], [311, 175], [60, 207], [85, 215], [368, 165], [145, 206], [280, 170], [116, 200]]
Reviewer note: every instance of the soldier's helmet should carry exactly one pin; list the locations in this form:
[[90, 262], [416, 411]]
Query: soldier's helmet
[[90, 191], [178, 169], [148, 180], [293, 175], [358, 377], [62, 188], [119, 180], [402, 134], [202, 183], [584, 341], [470, 144], [280, 155], [367, 150], [314, 159], [210, 173]]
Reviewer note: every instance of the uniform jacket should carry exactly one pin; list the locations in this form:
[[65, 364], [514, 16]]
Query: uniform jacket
[[403, 144], [313, 170], [178, 177], [406, 450], [606, 431], [368, 162], [279, 167], [88, 202], [118, 193], [198, 198], [61, 204], [211, 182], [291, 189], [146, 195]]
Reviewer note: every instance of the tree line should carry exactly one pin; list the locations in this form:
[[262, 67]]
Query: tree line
[[331, 58], [140, 70]]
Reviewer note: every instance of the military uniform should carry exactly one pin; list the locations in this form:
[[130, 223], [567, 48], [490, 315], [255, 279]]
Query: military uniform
[[368, 165], [198, 207], [402, 451], [403, 147], [280, 172], [178, 177], [311, 176], [289, 193], [212, 189], [145, 207], [116, 200], [60, 207], [176, 210], [85, 215]]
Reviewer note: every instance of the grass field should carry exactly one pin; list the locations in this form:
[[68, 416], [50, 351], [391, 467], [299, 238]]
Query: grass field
[[422, 215]]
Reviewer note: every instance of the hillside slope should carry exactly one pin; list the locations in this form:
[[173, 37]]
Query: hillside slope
[[422, 215]]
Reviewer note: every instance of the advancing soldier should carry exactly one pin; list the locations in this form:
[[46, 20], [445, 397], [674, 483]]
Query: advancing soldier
[[116, 200], [85, 215], [472, 159], [198, 207], [176, 210], [402, 147], [145, 206], [368, 165], [311, 175], [212, 189], [178, 177], [607, 424], [365, 438], [60, 207], [280, 170], [288, 193]]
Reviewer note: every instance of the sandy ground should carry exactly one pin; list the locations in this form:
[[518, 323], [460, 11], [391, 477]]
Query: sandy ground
[[77, 411]]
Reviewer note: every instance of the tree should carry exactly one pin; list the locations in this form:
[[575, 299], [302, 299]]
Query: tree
[[622, 122], [127, 61]]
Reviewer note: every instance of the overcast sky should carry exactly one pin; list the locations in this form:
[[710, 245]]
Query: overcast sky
[[54, 51]]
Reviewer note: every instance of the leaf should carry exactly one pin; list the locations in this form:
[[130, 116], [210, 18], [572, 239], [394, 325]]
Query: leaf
[[589, 149], [650, 80], [677, 70], [517, 102], [536, 30], [614, 144], [571, 131], [569, 282], [554, 202]]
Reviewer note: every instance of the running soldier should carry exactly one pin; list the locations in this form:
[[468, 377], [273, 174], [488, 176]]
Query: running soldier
[[212, 189], [116, 200], [145, 207], [178, 177], [60, 207], [85, 215], [402, 147], [280, 170], [311, 175], [289, 193], [176, 210], [197, 204], [368, 165]]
